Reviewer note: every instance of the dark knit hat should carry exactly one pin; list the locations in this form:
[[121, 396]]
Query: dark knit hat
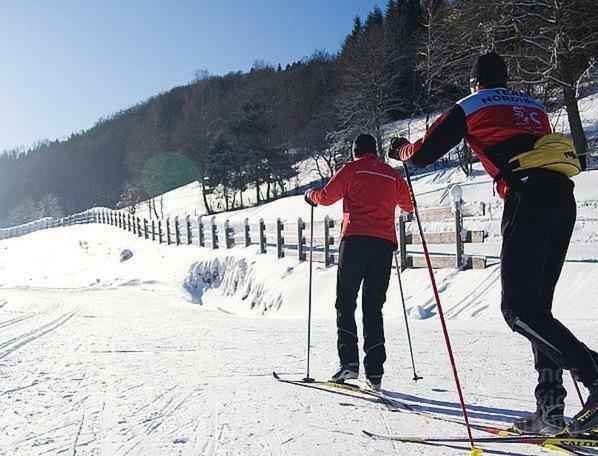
[[364, 144], [489, 69]]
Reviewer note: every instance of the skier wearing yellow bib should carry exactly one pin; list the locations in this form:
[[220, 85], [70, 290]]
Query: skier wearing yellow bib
[[511, 135]]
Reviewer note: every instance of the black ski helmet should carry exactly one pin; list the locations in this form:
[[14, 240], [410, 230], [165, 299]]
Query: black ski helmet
[[488, 69], [364, 144]]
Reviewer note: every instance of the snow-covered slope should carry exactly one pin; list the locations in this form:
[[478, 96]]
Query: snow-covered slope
[[431, 187]]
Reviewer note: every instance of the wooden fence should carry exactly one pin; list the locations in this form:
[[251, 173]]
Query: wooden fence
[[283, 238]]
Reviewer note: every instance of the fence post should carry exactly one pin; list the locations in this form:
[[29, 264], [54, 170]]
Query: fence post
[[168, 231], [279, 238], [262, 236], [200, 232], [300, 244], [145, 233], [402, 243], [177, 230], [458, 239], [188, 226], [327, 224], [160, 232], [246, 233], [227, 239], [214, 233], [153, 230]]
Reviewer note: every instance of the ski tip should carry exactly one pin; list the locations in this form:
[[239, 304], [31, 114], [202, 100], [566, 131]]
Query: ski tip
[[369, 434], [275, 375]]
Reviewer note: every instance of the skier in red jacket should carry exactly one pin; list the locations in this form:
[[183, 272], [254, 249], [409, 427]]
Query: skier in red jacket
[[510, 133], [371, 191]]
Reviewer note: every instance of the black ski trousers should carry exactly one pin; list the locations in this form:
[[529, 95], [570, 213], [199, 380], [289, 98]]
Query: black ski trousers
[[537, 224], [364, 259]]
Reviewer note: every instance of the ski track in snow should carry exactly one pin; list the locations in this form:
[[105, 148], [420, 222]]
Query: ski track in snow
[[113, 372]]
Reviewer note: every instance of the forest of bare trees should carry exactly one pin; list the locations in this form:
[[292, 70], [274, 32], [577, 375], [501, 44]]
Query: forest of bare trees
[[248, 131]]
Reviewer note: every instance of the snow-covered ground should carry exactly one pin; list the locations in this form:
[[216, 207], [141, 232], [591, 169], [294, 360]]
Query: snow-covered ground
[[171, 352]]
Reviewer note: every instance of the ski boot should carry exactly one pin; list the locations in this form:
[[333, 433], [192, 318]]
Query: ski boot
[[348, 372], [374, 382], [586, 421], [544, 421]]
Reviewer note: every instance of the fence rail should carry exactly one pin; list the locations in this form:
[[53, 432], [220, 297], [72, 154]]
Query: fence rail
[[283, 238]]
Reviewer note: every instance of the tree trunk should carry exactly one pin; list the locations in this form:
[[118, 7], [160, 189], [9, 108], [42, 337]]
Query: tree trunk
[[225, 194], [579, 137], [205, 198]]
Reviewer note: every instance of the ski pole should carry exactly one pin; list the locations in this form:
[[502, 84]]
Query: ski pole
[[307, 378], [415, 376], [474, 451], [578, 390]]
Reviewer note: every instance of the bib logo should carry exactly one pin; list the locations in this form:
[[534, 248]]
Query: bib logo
[[527, 119]]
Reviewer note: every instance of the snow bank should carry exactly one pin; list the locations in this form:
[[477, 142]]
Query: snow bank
[[246, 283], [236, 279]]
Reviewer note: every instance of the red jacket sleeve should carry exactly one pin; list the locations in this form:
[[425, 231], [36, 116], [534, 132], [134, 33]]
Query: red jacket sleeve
[[404, 197], [444, 134], [334, 190]]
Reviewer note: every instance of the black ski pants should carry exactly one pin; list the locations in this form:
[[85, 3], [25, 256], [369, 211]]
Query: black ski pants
[[362, 259], [537, 224]]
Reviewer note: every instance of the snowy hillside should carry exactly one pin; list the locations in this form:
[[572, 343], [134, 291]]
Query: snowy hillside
[[431, 187]]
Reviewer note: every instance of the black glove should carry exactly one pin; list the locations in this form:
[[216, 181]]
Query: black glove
[[307, 199], [395, 147]]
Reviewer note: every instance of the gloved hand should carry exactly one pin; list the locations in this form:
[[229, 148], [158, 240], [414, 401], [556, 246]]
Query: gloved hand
[[307, 198], [395, 147]]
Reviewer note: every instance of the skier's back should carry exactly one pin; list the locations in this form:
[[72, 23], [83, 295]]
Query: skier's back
[[371, 191]]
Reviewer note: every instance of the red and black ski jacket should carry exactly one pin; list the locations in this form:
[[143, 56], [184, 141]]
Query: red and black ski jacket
[[497, 123], [371, 191]]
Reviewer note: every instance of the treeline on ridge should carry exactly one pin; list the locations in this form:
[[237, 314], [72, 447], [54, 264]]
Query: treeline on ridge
[[244, 134]]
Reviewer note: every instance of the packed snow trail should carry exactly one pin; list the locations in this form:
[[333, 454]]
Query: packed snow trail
[[139, 372]]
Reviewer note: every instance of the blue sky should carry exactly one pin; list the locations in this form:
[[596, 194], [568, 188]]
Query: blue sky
[[64, 64]]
